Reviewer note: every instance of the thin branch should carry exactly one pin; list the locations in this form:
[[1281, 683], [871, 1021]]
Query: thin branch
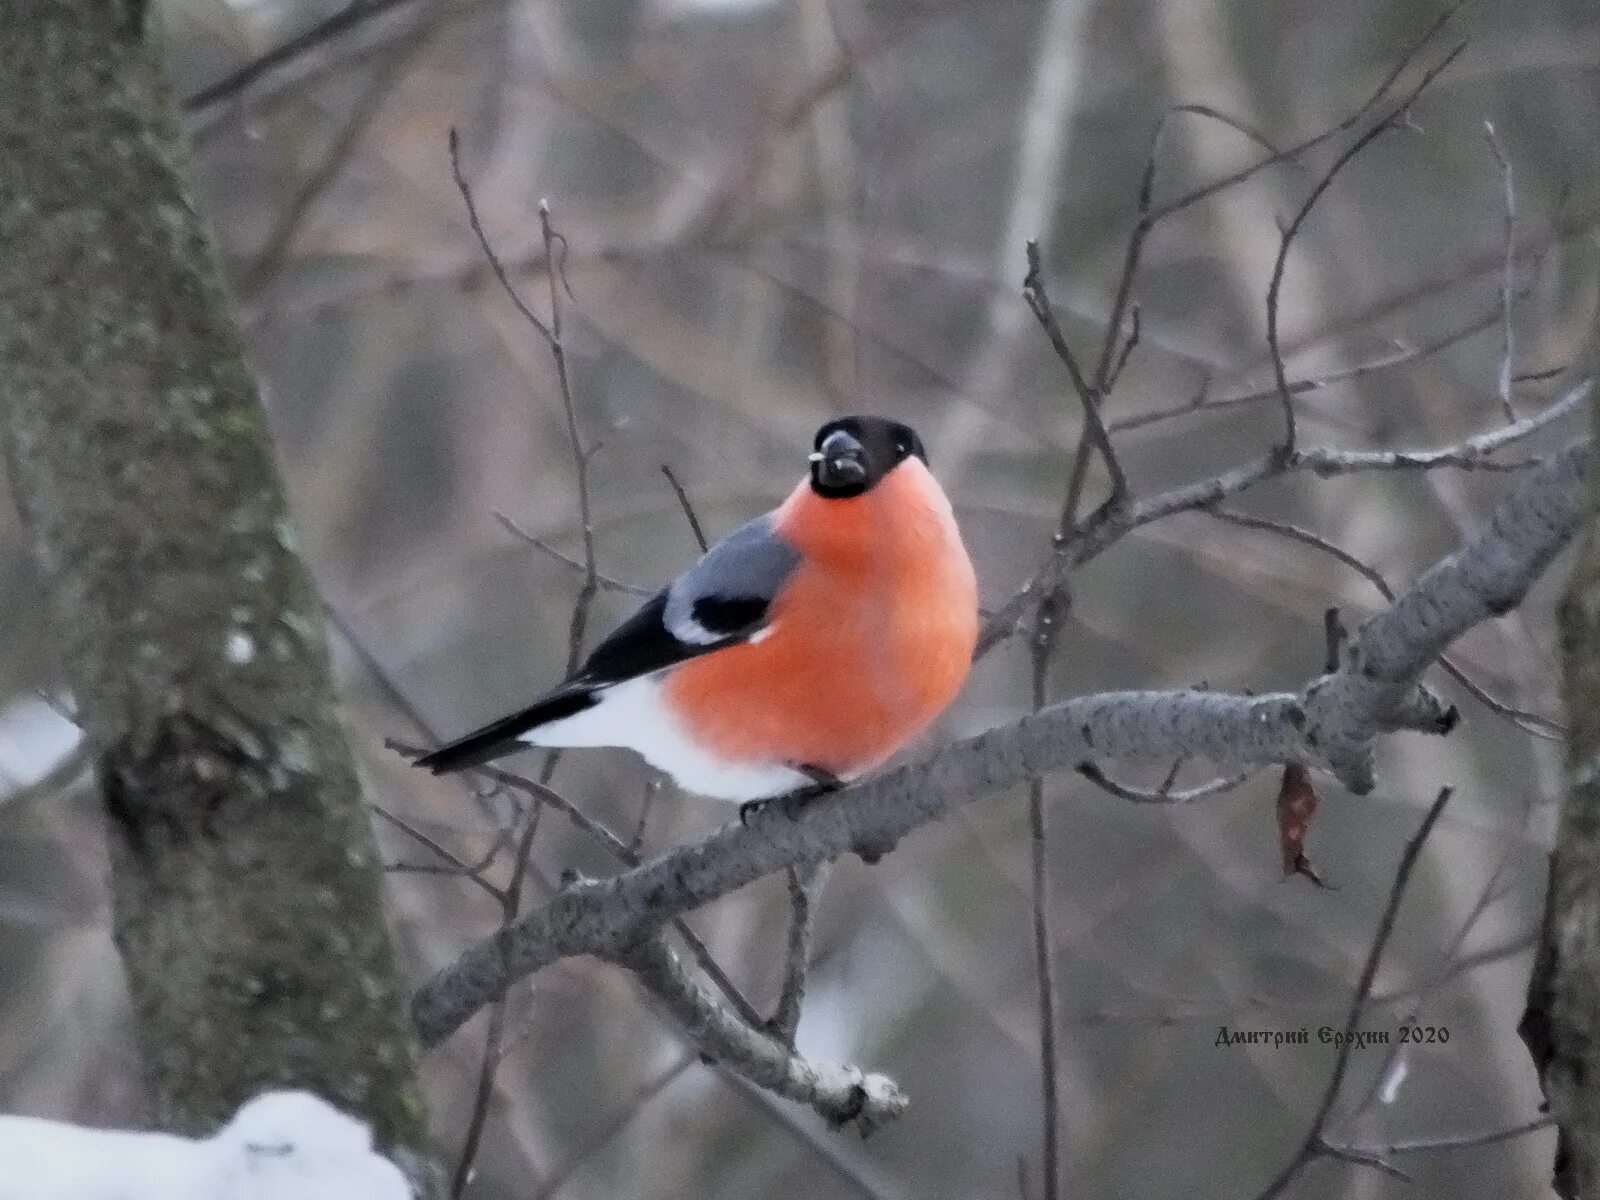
[[396, 696], [631, 1111], [1038, 300], [1165, 794], [354, 14], [1237, 124], [1203, 401], [688, 509], [452, 864], [1360, 1157], [1151, 215], [609, 841], [1129, 345], [1464, 964], [1459, 1141], [385, 77], [605, 581], [486, 246], [580, 458], [1069, 552], [652, 789], [805, 889], [1046, 632], [1314, 1143], [1472, 454], [1385, 123], [494, 1037], [841, 1095], [1529, 722], [1508, 187]]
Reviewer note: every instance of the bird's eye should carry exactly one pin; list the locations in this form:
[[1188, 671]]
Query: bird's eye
[[901, 449]]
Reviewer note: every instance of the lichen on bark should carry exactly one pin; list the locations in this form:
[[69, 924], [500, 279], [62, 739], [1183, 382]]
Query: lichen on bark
[[245, 881], [1561, 1025]]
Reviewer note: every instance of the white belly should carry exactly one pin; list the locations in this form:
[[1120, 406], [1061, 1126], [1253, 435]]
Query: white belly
[[634, 716]]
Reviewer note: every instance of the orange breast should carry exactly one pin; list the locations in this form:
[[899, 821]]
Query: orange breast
[[869, 642]]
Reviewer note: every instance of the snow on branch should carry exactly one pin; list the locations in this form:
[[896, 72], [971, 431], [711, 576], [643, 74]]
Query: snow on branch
[[279, 1146], [1330, 724]]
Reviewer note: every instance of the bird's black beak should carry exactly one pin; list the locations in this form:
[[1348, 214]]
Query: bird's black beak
[[840, 463]]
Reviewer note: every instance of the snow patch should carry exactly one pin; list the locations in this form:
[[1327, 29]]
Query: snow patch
[[241, 648], [34, 739], [279, 1146]]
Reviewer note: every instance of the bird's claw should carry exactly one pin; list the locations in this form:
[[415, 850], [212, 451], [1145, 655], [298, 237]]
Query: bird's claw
[[791, 803]]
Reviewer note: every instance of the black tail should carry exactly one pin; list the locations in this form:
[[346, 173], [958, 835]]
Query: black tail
[[503, 737]]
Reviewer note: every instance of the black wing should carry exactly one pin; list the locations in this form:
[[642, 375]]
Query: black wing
[[720, 601]]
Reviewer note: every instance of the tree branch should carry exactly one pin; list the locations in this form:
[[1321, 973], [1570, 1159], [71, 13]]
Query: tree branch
[[841, 1095], [1332, 723], [805, 892], [1315, 1143], [1073, 549], [348, 18]]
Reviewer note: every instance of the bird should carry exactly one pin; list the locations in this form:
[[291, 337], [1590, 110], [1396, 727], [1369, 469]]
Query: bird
[[800, 652]]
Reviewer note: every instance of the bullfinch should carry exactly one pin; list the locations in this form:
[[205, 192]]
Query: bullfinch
[[803, 649]]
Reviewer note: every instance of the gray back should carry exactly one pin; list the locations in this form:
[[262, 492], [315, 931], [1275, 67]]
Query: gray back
[[726, 593]]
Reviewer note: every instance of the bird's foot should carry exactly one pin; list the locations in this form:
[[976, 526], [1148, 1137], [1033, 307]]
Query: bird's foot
[[791, 803]]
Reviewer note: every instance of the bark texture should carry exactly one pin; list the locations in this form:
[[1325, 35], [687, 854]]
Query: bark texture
[[246, 887], [1562, 1022]]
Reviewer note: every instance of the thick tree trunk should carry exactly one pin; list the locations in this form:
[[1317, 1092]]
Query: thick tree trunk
[[247, 895], [1562, 1022]]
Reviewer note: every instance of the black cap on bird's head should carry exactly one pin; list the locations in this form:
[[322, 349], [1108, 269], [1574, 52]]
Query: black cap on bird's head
[[850, 455]]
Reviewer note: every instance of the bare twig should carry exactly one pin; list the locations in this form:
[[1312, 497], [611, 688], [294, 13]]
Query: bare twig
[[1390, 120], [1071, 551], [494, 1037], [385, 77], [597, 830], [688, 508], [1165, 793], [538, 543], [1151, 214], [805, 889], [580, 457], [1046, 632], [1203, 401], [1475, 453], [451, 863], [352, 15], [398, 698], [1460, 1141], [652, 789], [1129, 345], [1314, 1144], [652, 1088], [1508, 187], [841, 1095], [1360, 1157], [487, 247], [1529, 722], [1038, 300]]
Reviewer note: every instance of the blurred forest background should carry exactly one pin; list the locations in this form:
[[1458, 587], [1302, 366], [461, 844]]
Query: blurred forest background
[[776, 211]]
